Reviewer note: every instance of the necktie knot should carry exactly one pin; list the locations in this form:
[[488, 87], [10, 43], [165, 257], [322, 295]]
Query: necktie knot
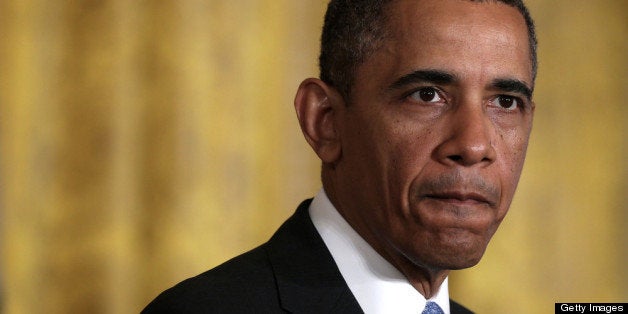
[[432, 308]]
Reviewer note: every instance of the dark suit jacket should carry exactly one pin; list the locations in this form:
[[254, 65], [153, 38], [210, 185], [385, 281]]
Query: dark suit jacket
[[292, 273]]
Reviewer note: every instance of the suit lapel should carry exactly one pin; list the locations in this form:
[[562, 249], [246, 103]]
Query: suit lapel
[[308, 279]]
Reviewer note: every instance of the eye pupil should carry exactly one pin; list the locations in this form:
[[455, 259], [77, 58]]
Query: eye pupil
[[506, 102], [427, 94]]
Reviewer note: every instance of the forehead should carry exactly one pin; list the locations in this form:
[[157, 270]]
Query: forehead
[[460, 36]]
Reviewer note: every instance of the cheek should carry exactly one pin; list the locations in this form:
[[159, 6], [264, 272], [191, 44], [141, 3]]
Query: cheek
[[512, 158], [371, 158], [517, 144], [411, 154], [410, 161]]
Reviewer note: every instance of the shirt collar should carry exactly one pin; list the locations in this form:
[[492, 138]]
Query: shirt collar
[[376, 284]]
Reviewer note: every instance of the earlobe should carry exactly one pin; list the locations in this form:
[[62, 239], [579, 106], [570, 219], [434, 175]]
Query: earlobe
[[316, 104]]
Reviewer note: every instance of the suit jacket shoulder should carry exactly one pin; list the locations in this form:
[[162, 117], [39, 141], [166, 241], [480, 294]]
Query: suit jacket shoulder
[[232, 287], [292, 272]]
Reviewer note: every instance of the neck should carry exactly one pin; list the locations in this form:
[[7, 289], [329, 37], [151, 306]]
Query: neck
[[425, 281]]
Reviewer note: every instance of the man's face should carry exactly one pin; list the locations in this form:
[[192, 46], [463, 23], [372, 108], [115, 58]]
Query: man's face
[[435, 136]]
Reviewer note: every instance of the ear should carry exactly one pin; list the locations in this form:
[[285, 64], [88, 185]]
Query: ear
[[317, 107]]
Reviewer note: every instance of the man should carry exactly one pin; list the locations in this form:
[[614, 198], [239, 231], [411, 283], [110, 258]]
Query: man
[[421, 119]]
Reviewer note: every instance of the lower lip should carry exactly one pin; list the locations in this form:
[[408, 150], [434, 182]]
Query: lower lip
[[455, 201], [468, 213]]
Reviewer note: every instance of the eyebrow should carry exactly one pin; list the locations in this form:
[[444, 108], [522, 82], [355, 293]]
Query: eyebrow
[[445, 78], [424, 76], [512, 86]]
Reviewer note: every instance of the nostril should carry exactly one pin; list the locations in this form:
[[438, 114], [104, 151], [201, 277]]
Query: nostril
[[456, 158]]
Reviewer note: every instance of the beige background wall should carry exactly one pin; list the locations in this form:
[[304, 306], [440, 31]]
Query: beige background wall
[[142, 142]]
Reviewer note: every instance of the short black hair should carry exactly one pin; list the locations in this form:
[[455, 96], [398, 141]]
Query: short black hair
[[354, 29]]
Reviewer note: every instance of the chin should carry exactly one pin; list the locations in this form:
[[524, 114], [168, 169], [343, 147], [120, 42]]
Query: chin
[[456, 253], [462, 262], [453, 261]]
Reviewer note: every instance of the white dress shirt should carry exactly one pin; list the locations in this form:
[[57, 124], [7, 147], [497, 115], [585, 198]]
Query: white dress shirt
[[376, 284]]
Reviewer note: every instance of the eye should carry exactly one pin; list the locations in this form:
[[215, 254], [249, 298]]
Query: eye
[[427, 94], [507, 102]]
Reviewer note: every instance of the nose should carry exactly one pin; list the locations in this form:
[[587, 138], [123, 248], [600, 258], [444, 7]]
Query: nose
[[468, 138]]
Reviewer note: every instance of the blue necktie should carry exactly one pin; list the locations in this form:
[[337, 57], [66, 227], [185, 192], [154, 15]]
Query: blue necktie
[[432, 308]]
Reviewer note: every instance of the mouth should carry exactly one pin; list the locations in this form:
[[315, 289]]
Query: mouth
[[461, 198]]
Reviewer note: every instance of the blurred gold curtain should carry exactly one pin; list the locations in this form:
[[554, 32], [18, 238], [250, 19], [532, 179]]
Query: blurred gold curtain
[[142, 142], [145, 141]]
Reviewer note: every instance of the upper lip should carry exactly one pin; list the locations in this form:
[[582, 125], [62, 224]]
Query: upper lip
[[462, 196]]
